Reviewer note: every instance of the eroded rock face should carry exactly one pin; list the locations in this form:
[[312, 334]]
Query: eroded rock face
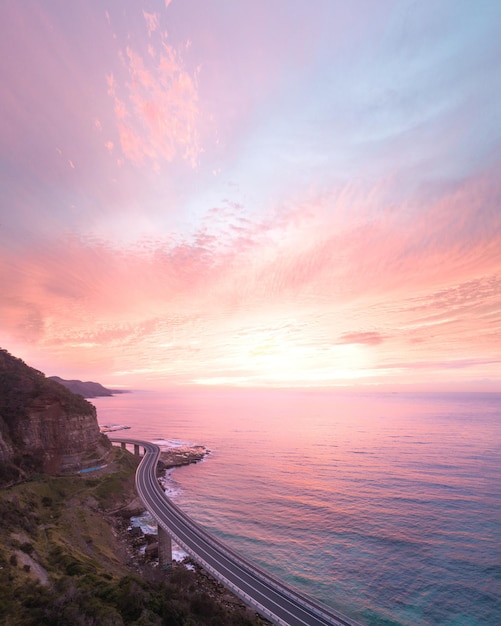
[[43, 426], [68, 441], [6, 450]]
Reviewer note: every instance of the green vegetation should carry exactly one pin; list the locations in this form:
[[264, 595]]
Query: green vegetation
[[62, 563], [21, 384]]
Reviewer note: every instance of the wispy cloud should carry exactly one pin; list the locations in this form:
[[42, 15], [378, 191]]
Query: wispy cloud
[[237, 291], [237, 204], [370, 338], [156, 103], [152, 21]]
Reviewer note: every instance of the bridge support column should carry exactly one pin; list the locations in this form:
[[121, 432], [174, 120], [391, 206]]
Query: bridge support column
[[164, 549], [123, 445], [136, 449]]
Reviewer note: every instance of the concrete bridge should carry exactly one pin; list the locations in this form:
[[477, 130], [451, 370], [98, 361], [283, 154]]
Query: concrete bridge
[[269, 596]]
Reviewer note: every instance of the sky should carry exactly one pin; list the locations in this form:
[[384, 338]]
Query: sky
[[278, 193]]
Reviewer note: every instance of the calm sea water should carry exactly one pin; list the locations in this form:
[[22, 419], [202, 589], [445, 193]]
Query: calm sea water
[[384, 506]]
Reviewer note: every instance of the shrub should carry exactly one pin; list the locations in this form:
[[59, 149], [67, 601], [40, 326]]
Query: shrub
[[27, 547]]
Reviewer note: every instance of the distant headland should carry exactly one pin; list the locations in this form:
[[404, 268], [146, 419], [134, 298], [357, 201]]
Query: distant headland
[[87, 389]]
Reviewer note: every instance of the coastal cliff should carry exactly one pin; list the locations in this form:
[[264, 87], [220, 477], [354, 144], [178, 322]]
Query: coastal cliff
[[44, 428]]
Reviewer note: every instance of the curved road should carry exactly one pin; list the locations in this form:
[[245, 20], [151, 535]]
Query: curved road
[[270, 597]]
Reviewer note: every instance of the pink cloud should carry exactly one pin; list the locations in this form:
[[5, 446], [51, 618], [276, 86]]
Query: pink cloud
[[156, 107], [370, 338], [151, 20], [246, 270], [366, 248], [241, 293]]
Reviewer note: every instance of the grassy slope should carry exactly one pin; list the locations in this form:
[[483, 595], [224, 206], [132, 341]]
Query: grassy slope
[[59, 532]]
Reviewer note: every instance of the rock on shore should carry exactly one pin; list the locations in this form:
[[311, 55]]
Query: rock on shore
[[181, 455]]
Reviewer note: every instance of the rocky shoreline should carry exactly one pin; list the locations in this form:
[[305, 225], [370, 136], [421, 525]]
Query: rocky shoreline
[[177, 456], [66, 539], [142, 552], [142, 548]]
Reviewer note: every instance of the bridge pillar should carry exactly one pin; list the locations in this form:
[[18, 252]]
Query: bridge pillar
[[136, 449], [123, 445], [164, 549]]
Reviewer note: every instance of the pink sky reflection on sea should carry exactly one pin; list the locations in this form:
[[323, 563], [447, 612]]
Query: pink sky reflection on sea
[[255, 196]]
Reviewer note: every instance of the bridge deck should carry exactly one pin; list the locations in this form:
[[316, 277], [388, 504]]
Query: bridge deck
[[269, 596]]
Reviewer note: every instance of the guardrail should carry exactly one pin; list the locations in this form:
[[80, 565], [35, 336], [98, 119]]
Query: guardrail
[[320, 610]]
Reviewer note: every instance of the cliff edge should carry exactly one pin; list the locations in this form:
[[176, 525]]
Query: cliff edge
[[44, 427]]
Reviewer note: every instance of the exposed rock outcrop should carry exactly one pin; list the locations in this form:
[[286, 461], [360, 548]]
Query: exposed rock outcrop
[[43, 426], [181, 455]]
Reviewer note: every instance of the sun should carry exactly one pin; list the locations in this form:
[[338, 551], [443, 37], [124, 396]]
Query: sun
[[282, 362]]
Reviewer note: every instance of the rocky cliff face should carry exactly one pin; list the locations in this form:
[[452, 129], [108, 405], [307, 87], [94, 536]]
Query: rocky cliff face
[[43, 426]]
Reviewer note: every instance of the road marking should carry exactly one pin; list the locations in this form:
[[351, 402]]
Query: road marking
[[168, 515]]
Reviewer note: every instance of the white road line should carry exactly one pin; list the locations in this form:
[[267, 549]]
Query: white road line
[[175, 521]]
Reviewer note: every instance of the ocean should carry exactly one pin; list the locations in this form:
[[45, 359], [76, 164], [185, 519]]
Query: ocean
[[386, 507]]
